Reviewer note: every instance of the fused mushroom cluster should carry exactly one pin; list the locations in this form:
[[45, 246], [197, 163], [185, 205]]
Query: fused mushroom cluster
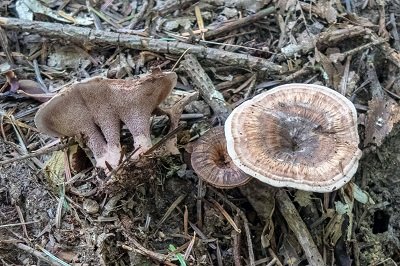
[[296, 135], [94, 109], [211, 162]]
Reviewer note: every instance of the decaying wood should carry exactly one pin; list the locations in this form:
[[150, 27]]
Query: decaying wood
[[87, 35], [299, 229], [206, 87]]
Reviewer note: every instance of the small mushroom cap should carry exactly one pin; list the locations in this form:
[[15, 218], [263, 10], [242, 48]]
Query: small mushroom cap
[[211, 162], [296, 135]]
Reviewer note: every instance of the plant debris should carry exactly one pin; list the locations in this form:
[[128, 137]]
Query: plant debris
[[56, 208]]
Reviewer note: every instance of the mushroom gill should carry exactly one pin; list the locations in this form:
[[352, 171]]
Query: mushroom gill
[[212, 163]]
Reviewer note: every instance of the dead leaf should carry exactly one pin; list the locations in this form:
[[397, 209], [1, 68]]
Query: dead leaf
[[55, 166], [381, 117], [333, 74], [174, 111], [322, 9]]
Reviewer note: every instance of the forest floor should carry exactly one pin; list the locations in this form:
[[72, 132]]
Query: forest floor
[[57, 209]]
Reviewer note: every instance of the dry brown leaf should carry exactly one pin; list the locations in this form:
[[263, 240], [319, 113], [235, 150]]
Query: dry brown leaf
[[333, 74], [322, 9], [174, 111], [382, 115]]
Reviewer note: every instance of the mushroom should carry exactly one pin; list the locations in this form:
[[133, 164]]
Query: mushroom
[[212, 163], [95, 107], [296, 135]]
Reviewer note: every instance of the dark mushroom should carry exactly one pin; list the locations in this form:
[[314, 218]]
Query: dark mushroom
[[212, 163]]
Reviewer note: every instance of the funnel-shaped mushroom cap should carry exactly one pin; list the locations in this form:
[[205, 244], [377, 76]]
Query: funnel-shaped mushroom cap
[[211, 161], [296, 135], [94, 108]]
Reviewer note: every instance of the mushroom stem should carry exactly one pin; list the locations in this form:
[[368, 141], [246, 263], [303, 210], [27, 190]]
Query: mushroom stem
[[96, 143], [138, 125], [95, 108], [110, 127]]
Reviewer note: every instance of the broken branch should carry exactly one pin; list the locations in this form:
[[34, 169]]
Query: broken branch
[[87, 35]]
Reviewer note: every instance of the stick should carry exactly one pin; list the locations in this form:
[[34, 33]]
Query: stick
[[245, 224], [87, 35], [37, 254], [240, 22], [37, 153], [298, 228], [205, 86], [138, 248]]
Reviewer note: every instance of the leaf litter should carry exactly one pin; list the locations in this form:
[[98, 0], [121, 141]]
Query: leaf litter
[[59, 212]]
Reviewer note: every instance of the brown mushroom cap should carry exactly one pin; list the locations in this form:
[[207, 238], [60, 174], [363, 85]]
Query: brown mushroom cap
[[95, 107], [211, 162], [297, 135]]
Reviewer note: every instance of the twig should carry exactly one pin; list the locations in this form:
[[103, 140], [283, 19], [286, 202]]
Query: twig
[[190, 247], [52, 257], [388, 51], [103, 17], [248, 238], [39, 77], [179, 59], [205, 86], [137, 247], [18, 224], [170, 209], [186, 221], [275, 257], [22, 219], [240, 22], [36, 253], [165, 138], [394, 31], [138, 17], [219, 255], [272, 262], [96, 19], [226, 215], [236, 244], [199, 202], [245, 222], [202, 236], [5, 46], [87, 35], [298, 228], [37, 153]]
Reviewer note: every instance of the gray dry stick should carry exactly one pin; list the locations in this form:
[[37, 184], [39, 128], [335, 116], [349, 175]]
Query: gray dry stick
[[299, 228], [88, 35], [205, 86], [240, 22]]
